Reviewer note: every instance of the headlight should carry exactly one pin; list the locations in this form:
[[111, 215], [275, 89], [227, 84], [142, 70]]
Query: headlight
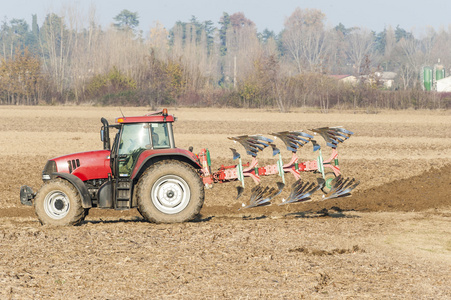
[[50, 167]]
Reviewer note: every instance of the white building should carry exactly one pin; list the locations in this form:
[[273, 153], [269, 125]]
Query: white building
[[387, 78], [444, 84]]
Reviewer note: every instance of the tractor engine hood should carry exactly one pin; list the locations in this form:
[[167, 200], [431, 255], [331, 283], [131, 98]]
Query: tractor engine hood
[[85, 165]]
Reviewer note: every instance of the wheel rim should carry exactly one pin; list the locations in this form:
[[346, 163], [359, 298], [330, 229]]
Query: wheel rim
[[329, 183], [170, 194], [56, 204]]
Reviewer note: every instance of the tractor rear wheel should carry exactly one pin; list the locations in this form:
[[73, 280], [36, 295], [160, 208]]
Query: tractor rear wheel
[[170, 191], [328, 177], [59, 203]]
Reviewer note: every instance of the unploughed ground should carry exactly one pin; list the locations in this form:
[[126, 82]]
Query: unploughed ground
[[391, 239]]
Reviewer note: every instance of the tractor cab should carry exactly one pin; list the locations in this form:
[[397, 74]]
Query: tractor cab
[[134, 139], [139, 143], [134, 136]]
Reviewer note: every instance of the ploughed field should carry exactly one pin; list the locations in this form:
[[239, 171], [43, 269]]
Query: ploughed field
[[391, 239]]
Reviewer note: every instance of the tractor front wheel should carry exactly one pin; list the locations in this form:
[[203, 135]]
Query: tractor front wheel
[[170, 192], [59, 203]]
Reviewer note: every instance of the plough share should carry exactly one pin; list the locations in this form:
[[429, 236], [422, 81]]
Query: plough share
[[331, 182]]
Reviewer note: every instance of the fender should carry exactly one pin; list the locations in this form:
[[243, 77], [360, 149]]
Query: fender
[[174, 153], [79, 185]]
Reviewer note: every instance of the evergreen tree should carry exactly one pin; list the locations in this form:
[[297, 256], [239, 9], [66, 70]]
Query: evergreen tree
[[126, 20], [210, 32], [341, 28], [266, 35], [380, 41], [225, 24], [13, 37], [401, 33], [199, 29], [32, 41]]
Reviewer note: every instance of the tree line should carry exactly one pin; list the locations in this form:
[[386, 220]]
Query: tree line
[[70, 58]]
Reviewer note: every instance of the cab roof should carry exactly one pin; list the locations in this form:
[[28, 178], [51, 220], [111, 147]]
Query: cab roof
[[155, 117]]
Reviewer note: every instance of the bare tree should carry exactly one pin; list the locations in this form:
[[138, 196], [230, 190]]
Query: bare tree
[[191, 49], [390, 41], [411, 61], [158, 41], [54, 49], [305, 39], [440, 48], [243, 49], [358, 46]]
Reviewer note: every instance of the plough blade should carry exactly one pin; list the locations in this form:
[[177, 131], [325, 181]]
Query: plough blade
[[240, 191], [301, 192], [333, 135], [275, 150], [316, 146], [293, 139], [280, 186], [252, 143], [235, 154], [239, 167], [261, 196], [341, 187]]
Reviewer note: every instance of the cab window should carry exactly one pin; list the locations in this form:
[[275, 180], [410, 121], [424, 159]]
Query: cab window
[[160, 136], [134, 137]]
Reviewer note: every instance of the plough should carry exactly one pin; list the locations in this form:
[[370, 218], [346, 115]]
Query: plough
[[331, 182]]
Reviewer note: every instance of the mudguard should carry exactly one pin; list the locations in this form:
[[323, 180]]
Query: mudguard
[[79, 185], [170, 153]]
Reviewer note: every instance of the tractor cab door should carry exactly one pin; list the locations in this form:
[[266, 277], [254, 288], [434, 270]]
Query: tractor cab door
[[133, 140], [113, 155]]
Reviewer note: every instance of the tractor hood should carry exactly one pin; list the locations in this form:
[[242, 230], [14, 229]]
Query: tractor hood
[[85, 165]]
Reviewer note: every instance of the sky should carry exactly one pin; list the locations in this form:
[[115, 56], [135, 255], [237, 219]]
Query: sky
[[411, 15]]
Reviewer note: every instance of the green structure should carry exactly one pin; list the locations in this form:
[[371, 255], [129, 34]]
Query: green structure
[[427, 78], [439, 72]]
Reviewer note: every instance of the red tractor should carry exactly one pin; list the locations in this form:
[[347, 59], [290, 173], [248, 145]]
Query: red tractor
[[142, 169]]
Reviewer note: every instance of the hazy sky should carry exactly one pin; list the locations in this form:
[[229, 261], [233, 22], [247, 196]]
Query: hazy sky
[[413, 15]]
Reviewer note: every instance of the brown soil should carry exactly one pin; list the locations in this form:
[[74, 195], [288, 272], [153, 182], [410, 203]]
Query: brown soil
[[390, 239]]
